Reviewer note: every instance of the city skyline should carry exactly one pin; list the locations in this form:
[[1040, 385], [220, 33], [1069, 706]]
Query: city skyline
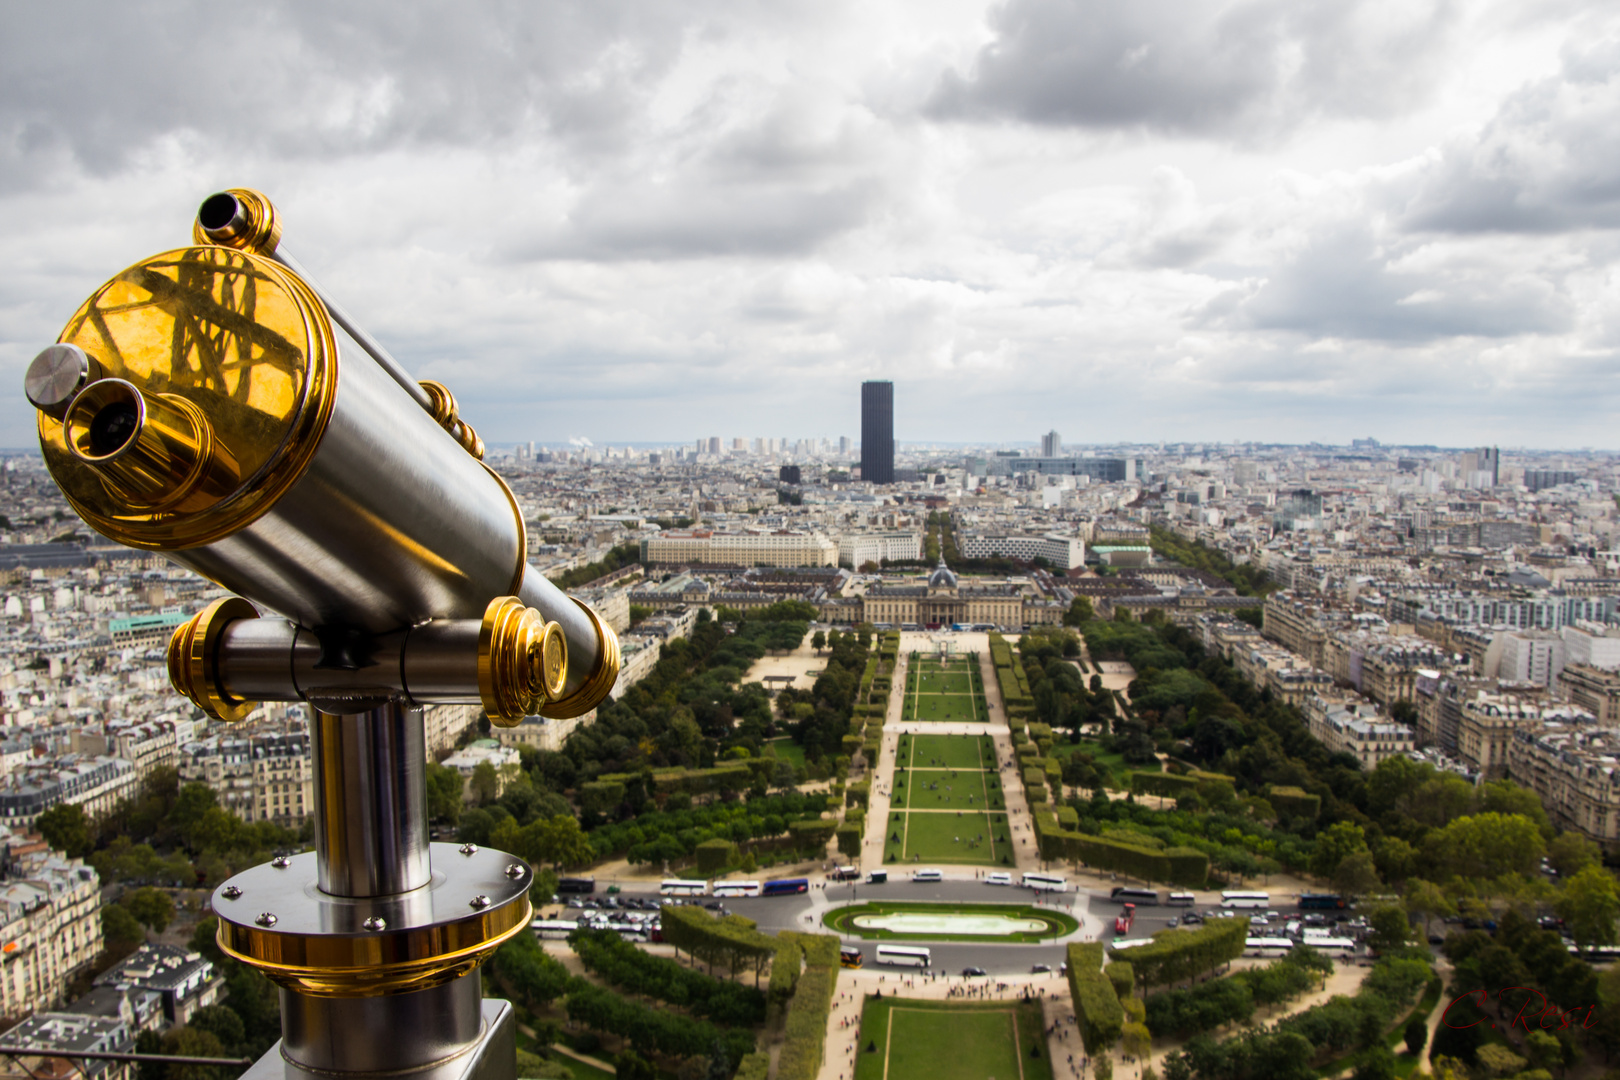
[[1133, 223]]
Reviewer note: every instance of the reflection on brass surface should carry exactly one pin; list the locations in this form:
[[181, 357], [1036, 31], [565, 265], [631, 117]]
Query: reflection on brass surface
[[551, 660], [522, 660], [232, 335], [254, 227], [193, 652], [374, 964], [599, 683]]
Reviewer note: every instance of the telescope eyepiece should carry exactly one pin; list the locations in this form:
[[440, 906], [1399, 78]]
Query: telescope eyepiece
[[221, 216], [240, 218], [112, 428]]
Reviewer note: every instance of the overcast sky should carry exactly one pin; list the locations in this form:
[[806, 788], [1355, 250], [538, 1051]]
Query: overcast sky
[[1147, 219]]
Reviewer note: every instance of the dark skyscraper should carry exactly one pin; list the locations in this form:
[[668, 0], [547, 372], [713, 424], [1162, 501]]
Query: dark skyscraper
[[877, 432]]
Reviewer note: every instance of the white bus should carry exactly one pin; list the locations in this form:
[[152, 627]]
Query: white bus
[[904, 955], [1045, 882], [1182, 899], [677, 887], [927, 875], [1130, 943], [1332, 946], [1267, 946], [552, 929], [736, 888], [1245, 900]]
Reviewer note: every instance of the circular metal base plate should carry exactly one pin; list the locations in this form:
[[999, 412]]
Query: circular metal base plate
[[275, 918]]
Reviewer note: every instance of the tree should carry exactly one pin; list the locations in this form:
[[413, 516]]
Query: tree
[[1356, 875], [1377, 1063], [223, 1023], [66, 828], [193, 1042], [151, 908], [1426, 899], [1486, 845], [120, 929], [1136, 1040], [1396, 859], [1388, 929], [1570, 853], [1589, 904], [1417, 1035], [486, 783], [1334, 844], [444, 788], [818, 641], [1080, 612], [1544, 1051]]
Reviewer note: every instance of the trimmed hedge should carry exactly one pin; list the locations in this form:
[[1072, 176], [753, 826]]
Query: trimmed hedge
[[713, 856], [858, 794], [811, 835], [849, 839], [1097, 1010], [1172, 785], [1177, 866], [805, 1032], [756, 1066], [1181, 955], [785, 970], [732, 941], [1294, 802], [1123, 976]]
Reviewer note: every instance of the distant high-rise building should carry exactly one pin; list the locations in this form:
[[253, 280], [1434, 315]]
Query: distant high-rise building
[[843, 444], [1489, 460], [714, 444], [790, 474], [1051, 444], [877, 432], [736, 445]]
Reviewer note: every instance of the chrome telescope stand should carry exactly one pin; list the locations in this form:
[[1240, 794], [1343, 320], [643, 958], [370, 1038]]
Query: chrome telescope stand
[[374, 937]]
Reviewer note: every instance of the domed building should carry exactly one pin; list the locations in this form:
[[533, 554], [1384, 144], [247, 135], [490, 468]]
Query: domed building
[[944, 601]]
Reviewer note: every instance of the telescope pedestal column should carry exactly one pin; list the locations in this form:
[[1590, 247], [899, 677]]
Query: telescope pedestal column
[[375, 938]]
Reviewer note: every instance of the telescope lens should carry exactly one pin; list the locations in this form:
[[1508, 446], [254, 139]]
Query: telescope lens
[[217, 211], [113, 427]]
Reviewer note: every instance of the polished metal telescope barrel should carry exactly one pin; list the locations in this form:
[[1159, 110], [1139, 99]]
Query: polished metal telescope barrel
[[203, 404]]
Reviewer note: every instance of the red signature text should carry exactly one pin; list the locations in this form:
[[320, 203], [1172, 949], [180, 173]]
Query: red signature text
[[1533, 1011]]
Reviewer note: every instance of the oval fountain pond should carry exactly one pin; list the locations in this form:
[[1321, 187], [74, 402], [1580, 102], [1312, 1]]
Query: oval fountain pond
[[918, 922]]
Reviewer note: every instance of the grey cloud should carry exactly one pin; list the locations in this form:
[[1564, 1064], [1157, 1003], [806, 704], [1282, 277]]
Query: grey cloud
[[1549, 161], [1172, 66], [692, 219], [1342, 285], [96, 83]]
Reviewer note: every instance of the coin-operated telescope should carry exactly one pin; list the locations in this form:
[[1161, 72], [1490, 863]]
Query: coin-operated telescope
[[212, 404]]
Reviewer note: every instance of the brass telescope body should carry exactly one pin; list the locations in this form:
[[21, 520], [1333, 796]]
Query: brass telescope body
[[212, 403]]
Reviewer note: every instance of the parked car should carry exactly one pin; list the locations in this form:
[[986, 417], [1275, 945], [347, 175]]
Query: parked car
[[1173, 923], [1192, 918], [973, 972], [1040, 969]]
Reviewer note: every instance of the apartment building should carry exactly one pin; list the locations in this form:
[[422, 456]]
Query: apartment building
[[50, 922], [1300, 625], [855, 550], [445, 724], [1357, 728], [1575, 770], [147, 746], [1594, 689], [95, 783], [1485, 728], [1063, 552], [780, 547], [185, 981], [47, 1032], [262, 777]]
